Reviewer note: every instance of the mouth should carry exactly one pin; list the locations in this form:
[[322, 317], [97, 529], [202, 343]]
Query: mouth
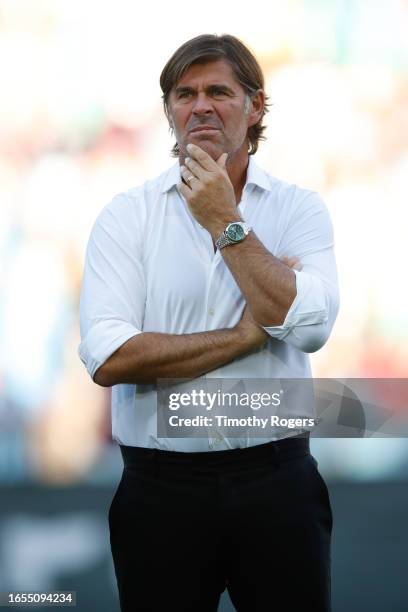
[[203, 128]]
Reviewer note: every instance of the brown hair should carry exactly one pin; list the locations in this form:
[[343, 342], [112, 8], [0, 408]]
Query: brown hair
[[207, 48]]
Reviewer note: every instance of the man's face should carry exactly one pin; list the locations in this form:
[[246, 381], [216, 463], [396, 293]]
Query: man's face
[[207, 108]]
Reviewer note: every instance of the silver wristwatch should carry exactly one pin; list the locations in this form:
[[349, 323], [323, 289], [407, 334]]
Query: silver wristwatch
[[234, 232]]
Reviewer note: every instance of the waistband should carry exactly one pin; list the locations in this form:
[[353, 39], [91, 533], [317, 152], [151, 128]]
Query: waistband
[[135, 457]]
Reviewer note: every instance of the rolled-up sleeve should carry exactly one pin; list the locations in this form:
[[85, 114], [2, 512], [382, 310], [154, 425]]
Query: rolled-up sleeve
[[113, 287], [310, 318]]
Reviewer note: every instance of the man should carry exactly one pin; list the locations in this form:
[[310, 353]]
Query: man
[[215, 268]]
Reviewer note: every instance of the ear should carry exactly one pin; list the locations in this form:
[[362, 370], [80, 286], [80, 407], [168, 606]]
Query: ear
[[256, 108]]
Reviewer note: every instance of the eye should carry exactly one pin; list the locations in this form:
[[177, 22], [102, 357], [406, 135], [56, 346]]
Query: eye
[[184, 94], [218, 92]]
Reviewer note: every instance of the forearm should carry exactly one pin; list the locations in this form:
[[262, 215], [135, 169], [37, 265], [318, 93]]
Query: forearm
[[149, 356], [268, 285]]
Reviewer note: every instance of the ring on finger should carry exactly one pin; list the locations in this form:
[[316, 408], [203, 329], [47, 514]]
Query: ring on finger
[[190, 178]]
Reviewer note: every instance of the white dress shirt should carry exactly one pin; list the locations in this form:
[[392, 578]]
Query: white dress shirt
[[150, 266]]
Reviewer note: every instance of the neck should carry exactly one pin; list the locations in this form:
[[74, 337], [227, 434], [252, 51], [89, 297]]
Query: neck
[[237, 171]]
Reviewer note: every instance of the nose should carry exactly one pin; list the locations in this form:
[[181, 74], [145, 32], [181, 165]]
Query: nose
[[202, 105]]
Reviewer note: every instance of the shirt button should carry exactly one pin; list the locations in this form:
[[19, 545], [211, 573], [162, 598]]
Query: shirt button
[[211, 311]]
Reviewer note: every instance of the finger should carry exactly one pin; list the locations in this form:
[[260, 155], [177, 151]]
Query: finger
[[195, 168], [188, 176], [184, 190], [294, 262], [222, 160], [201, 157]]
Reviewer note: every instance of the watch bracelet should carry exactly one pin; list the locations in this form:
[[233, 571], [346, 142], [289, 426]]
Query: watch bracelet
[[223, 241]]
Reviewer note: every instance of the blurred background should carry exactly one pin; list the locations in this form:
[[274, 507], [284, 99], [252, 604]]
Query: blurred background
[[81, 120]]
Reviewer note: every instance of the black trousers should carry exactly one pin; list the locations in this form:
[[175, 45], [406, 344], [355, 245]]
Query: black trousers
[[257, 521]]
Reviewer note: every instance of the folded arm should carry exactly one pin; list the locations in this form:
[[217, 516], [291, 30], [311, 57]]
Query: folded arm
[[149, 355], [114, 348], [298, 307]]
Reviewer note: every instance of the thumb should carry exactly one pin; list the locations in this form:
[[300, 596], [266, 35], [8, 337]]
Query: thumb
[[221, 161]]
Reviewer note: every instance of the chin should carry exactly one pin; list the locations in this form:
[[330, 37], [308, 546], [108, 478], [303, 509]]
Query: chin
[[213, 149]]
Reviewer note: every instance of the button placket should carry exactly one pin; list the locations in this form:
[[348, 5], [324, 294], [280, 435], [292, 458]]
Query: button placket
[[209, 310]]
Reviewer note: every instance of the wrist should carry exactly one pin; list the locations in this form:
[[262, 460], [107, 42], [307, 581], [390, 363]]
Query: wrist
[[234, 233], [219, 226]]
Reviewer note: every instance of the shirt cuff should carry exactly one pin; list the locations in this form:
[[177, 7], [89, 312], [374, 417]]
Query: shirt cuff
[[102, 340], [308, 308]]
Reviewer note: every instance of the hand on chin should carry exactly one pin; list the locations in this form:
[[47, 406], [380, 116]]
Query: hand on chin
[[213, 149]]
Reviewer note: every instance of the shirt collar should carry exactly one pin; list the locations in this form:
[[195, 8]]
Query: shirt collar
[[172, 177], [255, 176]]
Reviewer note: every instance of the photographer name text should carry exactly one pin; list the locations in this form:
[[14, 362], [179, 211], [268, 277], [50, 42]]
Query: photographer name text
[[249, 421]]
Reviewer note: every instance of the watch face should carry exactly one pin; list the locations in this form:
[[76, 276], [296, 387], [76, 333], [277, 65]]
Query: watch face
[[235, 232]]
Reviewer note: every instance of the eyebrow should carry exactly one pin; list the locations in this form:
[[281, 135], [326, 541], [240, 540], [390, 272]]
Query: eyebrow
[[209, 89]]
